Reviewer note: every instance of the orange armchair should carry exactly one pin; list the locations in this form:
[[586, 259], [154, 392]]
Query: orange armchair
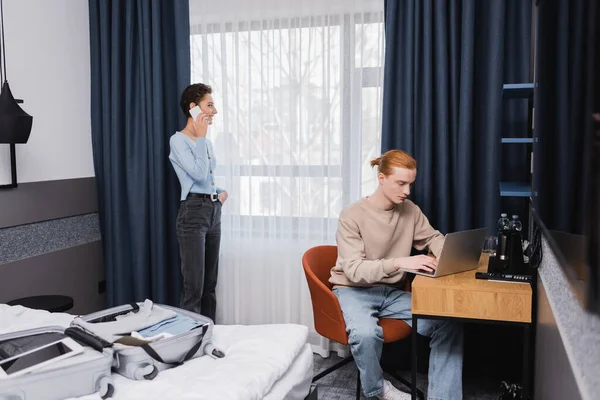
[[329, 321]]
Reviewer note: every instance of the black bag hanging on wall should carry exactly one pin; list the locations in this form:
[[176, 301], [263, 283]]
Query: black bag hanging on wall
[[15, 124]]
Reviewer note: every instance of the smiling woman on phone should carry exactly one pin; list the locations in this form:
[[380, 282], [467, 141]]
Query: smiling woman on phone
[[199, 217]]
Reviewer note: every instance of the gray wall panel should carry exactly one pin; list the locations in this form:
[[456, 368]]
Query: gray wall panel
[[75, 272], [43, 201], [31, 240]]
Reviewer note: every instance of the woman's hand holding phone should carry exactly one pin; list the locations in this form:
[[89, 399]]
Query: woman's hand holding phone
[[201, 121]]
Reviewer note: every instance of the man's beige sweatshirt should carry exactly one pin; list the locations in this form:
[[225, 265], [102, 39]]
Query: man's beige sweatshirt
[[369, 239]]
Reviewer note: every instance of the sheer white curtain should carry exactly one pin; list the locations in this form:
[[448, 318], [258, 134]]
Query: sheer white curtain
[[298, 87]]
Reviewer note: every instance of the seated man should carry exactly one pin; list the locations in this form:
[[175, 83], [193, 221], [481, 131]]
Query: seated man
[[375, 236]]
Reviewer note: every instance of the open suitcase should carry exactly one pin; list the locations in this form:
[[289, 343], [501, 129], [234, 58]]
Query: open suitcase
[[147, 360], [82, 374]]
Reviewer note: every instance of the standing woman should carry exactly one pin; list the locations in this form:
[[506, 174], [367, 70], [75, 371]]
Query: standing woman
[[199, 217]]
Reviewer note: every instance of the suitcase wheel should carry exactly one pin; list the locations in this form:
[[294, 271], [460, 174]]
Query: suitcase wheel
[[110, 390], [107, 389], [152, 374]]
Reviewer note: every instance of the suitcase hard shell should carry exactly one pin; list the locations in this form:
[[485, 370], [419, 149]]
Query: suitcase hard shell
[[80, 375], [145, 362]]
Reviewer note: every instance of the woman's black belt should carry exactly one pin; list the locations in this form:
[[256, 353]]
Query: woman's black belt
[[211, 197]]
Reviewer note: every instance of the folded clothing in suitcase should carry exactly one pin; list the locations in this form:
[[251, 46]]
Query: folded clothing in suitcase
[[148, 338], [36, 365]]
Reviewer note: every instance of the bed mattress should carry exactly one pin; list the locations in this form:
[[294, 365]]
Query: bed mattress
[[271, 362]]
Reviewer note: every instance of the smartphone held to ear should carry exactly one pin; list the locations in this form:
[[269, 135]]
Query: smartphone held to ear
[[194, 112]]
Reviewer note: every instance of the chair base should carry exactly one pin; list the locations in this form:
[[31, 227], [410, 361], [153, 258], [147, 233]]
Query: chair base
[[333, 368], [349, 359]]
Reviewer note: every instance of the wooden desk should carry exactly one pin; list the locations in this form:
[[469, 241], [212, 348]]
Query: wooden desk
[[462, 297]]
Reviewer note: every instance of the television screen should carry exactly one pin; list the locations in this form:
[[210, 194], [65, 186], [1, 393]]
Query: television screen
[[566, 150]]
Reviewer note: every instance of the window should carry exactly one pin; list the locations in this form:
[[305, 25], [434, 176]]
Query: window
[[300, 110]]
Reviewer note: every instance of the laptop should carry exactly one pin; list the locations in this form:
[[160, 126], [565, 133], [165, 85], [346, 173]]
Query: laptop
[[461, 252]]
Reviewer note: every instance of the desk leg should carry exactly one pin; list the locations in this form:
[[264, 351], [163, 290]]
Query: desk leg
[[414, 359], [526, 362]]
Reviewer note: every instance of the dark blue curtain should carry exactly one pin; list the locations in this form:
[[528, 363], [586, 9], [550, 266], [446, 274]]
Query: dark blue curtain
[[564, 107], [140, 62], [446, 62]]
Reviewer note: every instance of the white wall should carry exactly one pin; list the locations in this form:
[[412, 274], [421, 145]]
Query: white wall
[[48, 66]]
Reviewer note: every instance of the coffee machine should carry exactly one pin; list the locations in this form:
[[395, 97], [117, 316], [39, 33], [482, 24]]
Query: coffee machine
[[509, 253]]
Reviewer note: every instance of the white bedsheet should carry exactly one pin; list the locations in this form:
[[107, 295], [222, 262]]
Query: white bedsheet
[[295, 383], [257, 356]]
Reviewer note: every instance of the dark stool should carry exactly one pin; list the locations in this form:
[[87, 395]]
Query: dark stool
[[52, 303]]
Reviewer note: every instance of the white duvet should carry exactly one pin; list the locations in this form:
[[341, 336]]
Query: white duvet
[[256, 357]]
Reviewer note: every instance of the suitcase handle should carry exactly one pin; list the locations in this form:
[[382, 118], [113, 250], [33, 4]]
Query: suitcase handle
[[135, 308], [87, 338]]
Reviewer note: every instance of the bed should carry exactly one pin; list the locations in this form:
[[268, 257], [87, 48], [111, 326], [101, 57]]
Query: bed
[[271, 362]]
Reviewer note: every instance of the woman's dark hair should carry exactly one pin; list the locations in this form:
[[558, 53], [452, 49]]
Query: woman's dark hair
[[193, 94]]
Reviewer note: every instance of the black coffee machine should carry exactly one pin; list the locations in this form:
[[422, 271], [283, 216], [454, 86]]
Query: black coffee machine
[[509, 253]]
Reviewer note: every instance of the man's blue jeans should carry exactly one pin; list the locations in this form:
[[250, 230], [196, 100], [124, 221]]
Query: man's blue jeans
[[362, 307]]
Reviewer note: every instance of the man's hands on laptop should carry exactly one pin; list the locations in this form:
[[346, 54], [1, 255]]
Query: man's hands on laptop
[[420, 263]]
